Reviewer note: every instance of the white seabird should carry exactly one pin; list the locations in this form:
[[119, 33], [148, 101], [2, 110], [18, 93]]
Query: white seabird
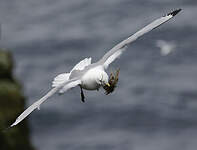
[[165, 47], [91, 76]]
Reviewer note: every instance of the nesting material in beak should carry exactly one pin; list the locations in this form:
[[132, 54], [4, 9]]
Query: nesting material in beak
[[113, 80], [107, 84]]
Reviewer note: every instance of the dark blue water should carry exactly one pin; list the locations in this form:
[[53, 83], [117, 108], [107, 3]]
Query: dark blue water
[[155, 104]]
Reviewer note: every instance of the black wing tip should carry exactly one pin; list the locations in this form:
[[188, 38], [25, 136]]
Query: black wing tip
[[174, 13]]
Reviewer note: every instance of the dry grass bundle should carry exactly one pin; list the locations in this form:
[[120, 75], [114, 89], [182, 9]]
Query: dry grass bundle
[[113, 80]]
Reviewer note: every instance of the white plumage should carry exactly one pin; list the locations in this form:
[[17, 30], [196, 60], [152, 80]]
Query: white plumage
[[61, 78], [82, 64], [165, 47]]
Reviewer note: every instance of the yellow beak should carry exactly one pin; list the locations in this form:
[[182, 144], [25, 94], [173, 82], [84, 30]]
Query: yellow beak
[[108, 84]]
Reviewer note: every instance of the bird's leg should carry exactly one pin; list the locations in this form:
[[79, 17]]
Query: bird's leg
[[82, 95]]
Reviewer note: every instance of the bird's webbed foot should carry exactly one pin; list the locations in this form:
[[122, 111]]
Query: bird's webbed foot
[[82, 95]]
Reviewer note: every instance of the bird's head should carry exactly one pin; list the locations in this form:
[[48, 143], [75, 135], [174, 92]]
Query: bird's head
[[103, 79]]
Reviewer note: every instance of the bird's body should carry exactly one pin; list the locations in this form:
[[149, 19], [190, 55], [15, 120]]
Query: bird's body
[[91, 76]]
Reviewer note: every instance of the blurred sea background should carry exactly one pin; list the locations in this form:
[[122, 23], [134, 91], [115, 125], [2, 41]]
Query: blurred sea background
[[155, 104]]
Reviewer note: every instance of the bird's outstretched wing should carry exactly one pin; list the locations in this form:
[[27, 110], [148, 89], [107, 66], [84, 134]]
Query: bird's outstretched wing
[[82, 64], [66, 85], [117, 50], [61, 78]]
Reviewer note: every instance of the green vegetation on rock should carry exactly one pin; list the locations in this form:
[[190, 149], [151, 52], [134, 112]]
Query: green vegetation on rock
[[12, 103], [6, 64]]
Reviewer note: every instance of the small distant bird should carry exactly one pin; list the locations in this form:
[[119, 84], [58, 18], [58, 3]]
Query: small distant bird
[[92, 76], [165, 47]]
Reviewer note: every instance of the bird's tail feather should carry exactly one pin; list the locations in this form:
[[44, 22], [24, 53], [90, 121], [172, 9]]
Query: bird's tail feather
[[34, 106]]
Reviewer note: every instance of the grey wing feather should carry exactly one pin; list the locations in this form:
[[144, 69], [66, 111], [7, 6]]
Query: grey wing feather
[[34, 106], [116, 51], [40, 101]]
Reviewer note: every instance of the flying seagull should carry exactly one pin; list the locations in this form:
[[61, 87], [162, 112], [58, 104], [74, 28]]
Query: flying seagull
[[92, 76], [165, 47]]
